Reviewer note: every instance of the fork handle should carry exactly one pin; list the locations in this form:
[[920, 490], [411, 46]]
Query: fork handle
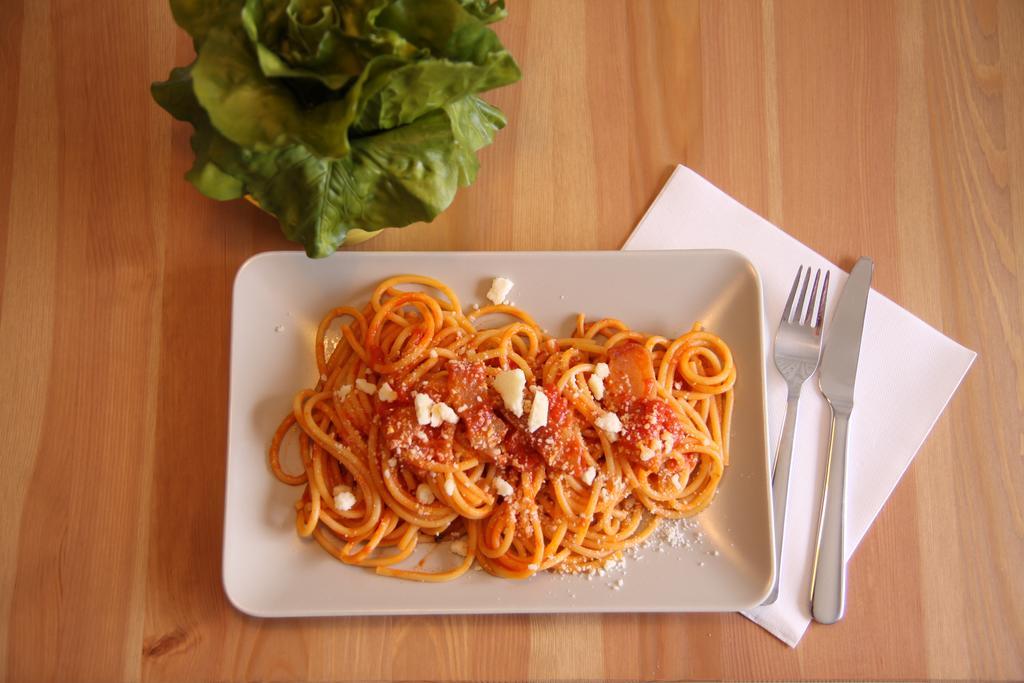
[[780, 485], [828, 582]]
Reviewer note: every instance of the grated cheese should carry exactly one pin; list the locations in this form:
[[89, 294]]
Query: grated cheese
[[500, 287], [423, 404], [442, 412], [386, 393], [366, 387], [511, 385], [668, 441], [503, 487], [538, 412], [424, 494], [609, 422], [343, 498]]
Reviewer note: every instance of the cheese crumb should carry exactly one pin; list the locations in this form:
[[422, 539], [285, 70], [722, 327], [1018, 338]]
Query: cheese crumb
[[511, 384], [330, 343], [601, 370], [675, 481], [589, 475], [538, 412], [459, 547], [646, 453], [424, 494], [392, 462], [449, 486], [609, 422], [442, 412], [668, 441], [423, 404], [343, 498], [503, 487], [366, 387], [500, 287], [343, 391], [596, 385], [386, 393], [533, 566]]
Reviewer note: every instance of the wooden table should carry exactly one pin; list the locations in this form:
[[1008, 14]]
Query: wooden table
[[895, 130]]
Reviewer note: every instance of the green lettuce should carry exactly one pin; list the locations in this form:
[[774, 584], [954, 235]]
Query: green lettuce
[[335, 115]]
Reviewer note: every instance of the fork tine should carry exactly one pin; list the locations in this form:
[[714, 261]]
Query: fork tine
[[798, 313], [811, 300], [821, 305], [792, 294]]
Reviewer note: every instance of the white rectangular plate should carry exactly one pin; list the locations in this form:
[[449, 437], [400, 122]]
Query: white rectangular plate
[[727, 563]]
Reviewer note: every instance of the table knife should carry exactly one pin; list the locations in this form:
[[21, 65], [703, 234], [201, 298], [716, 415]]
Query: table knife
[[836, 380]]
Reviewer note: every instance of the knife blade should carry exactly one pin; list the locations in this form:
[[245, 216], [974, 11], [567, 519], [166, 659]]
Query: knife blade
[[837, 377], [841, 353]]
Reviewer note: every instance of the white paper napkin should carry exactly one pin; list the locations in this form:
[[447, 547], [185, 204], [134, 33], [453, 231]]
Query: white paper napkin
[[907, 373]]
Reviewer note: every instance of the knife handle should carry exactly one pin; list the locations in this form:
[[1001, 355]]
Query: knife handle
[[828, 581]]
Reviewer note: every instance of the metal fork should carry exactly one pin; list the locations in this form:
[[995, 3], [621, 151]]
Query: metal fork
[[797, 352]]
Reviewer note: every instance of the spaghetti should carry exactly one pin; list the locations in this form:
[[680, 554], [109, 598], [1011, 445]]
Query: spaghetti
[[535, 452]]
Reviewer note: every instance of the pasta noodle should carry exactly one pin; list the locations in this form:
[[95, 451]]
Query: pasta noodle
[[535, 452]]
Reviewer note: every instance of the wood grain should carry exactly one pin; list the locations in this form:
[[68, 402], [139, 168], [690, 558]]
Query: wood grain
[[887, 128]]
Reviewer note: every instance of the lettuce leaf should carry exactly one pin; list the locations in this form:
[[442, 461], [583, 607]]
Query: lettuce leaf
[[336, 115], [262, 113], [406, 174], [316, 40], [487, 11], [217, 171], [198, 17]]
